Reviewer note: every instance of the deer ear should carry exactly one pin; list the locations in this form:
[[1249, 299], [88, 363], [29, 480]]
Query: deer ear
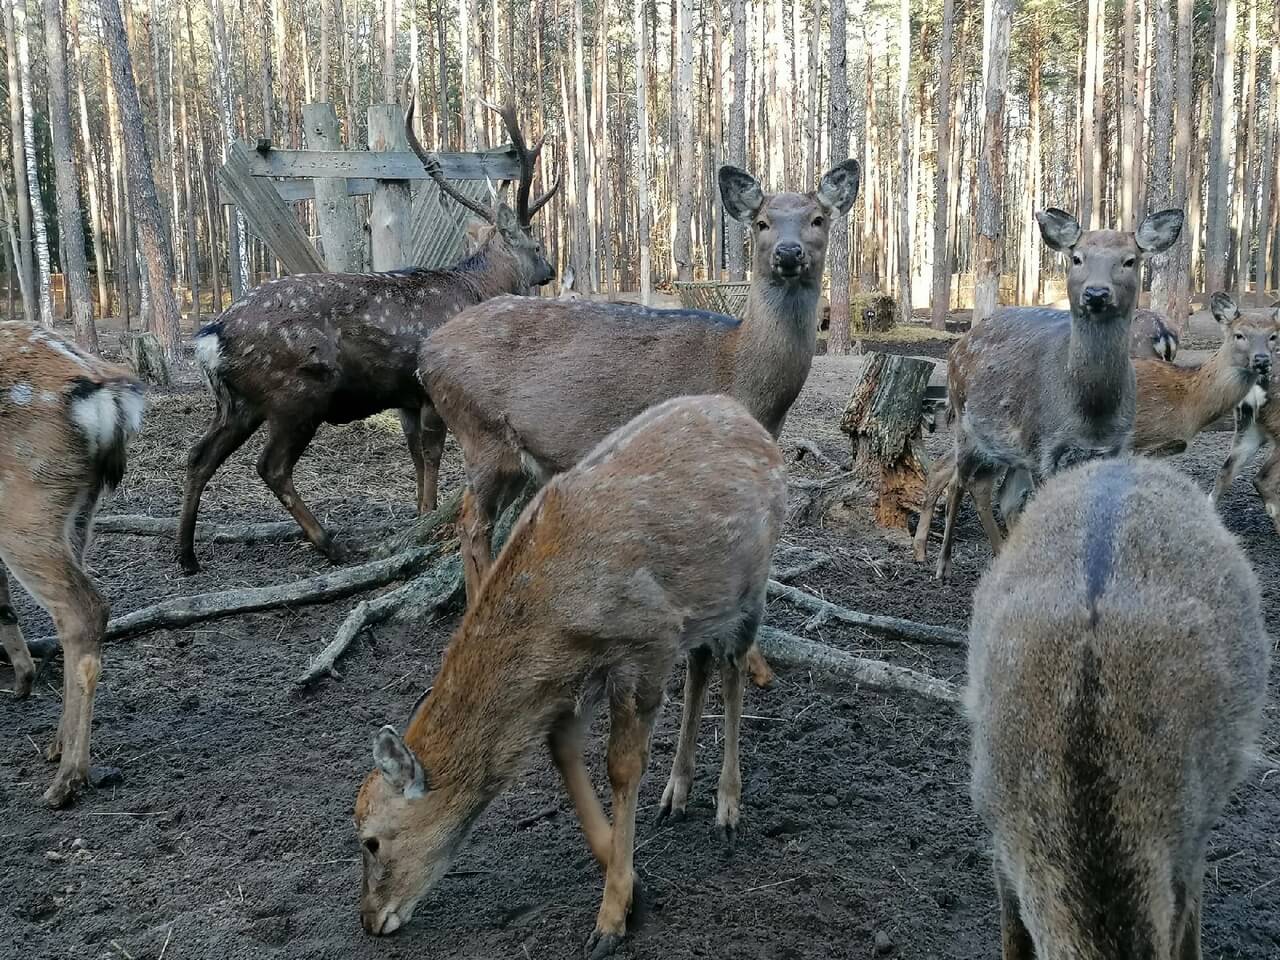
[[507, 221], [398, 764], [1061, 231], [839, 186], [741, 193], [1223, 307], [1159, 231]]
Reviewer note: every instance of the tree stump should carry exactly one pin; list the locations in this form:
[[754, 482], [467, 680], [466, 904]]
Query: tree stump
[[146, 356], [883, 420], [871, 312]]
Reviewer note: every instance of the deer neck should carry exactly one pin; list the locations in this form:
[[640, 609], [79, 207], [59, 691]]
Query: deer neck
[[491, 271], [1098, 355], [1217, 385], [775, 348]]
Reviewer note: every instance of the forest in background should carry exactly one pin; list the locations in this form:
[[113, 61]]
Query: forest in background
[[967, 117]]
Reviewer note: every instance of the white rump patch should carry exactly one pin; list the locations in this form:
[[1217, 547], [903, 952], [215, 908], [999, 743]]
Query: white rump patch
[[209, 353], [132, 403], [95, 415]]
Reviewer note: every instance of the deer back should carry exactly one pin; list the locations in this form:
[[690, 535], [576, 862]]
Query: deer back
[[1117, 670]]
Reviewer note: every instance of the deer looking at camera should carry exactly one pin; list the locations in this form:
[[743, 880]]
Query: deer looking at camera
[[656, 544], [333, 348], [1109, 731], [529, 386], [65, 420], [1034, 390]]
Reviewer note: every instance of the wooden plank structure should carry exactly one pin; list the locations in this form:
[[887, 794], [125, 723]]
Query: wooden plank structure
[[408, 224]]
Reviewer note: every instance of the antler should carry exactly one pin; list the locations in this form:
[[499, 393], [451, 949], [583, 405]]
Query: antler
[[432, 166], [528, 164]]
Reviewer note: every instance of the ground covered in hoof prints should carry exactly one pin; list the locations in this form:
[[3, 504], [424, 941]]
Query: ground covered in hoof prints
[[229, 834]]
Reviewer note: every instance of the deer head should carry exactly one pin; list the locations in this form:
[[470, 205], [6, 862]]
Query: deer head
[[1250, 341], [512, 227], [1106, 265], [790, 230]]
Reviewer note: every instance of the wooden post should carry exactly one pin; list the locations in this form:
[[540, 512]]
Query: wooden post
[[883, 420], [389, 214], [335, 212]]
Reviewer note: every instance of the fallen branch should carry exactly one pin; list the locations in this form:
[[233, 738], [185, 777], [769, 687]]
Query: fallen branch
[[792, 562], [889, 626], [279, 531], [789, 650]]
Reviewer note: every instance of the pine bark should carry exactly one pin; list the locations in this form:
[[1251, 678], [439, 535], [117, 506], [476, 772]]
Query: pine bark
[[735, 237], [643, 207], [1163, 265], [904, 160], [941, 298], [682, 246], [164, 321], [1128, 119], [1222, 135], [1267, 177], [1179, 299], [25, 266], [838, 139], [1249, 109], [39, 231], [991, 163]]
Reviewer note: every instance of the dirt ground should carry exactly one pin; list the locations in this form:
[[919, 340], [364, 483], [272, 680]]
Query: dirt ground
[[230, 832]]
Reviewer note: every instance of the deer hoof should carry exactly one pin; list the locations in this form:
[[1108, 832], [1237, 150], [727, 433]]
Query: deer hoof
[[63, 789], [189, 565], [601, 945], [23, 680], [727, 833]]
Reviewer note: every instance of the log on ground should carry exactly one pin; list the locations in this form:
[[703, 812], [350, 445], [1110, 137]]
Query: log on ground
[[897, 627]]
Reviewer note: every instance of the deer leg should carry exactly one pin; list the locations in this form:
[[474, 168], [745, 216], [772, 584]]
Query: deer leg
[[1267, 483], [284, 448], [413, 440], [475, 535], [939, 477], [675, 796], [432, 432], [1191, 931], [758, 668], [729, 795], [565, 743], [224, 437], [980, 489], [15, 647], [954, 492], [1015, 939], [630, 727]]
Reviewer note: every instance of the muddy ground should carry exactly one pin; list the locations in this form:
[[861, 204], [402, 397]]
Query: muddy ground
[[230, 833]]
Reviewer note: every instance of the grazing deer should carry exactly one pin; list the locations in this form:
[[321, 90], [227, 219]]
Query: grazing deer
[[1152, 336], [1035, 389], [332, 348], [65, 420], [1257, 422], [1112, 710], [529, 386], [655, 544]]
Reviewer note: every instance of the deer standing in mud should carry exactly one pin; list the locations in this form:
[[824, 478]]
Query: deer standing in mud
[[1112, 710], [1035, 390], [655, 544], [528, 386], [332, 348], [65, 420]]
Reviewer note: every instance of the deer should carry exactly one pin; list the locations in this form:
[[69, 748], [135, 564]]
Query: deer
[[655, 544], [66, 419], [1152, 335], [1257, 421], [528, 386], [311, 349], [1035, 390], [1108, 734], [1173, 405]]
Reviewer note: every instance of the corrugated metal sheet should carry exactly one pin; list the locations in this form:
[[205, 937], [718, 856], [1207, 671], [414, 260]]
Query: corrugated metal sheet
[[437, 225]]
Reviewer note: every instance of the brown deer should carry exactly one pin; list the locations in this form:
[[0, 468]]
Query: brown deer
[[1257, 422], [65, 420], [332, 348], [1035, 389], [655, 544], [1151, 335], [1109, 730], [1174, 403], [529, 386]]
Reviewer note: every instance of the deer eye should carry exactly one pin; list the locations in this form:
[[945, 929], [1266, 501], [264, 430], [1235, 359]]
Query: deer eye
[[762, 225], [1077, 259], [1272, 338], [1130, 262], [1240, 337], [818, 221], [371, 844]]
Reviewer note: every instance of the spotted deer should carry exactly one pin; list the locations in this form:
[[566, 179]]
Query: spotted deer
[[332, 348], [654, 545], [1257, 422], [1036, 390], [65, 420], [1109, 732], [529, 386]]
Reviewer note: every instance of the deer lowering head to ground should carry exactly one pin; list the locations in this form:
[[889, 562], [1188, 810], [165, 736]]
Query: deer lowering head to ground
[[1117, 673], [528, 387], [332, 348], [1152, 335], [1257, 422], [1036, 390], [655, 544], [65, 420]]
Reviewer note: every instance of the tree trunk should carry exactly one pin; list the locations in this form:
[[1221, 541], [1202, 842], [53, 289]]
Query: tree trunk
[[22, 195], [1179, 301], [991, 163], [193, 251], [40, 235], [1163, 265], [237, 252], [1249, 109], [1267, 178], [838, 138], [70, 224], [390, 81], [941, 299], [586, 270], [164, 319], [1128, 121], [90, 167], [735, 237], [870, 273], [1089, 161], [1222, 136], [904, 160], [600, 93], [682, 246], [1031, 200], [643, 208]]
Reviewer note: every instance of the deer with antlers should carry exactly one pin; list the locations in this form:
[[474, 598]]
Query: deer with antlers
[[333, 348]]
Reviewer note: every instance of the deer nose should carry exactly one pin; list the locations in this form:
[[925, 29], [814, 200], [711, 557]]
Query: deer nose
[[1097, 297], [1262, 362], [788, 254]]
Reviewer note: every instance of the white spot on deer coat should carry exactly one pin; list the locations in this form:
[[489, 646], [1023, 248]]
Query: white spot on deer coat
[[20, 394]]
